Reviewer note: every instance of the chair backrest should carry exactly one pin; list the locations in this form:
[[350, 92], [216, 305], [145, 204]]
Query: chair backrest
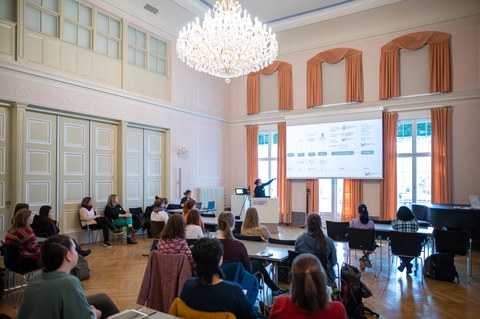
[[287, 242], [406, 244], [337, 231], [156, 228], [138, 211], [11, 257], [191, 241], [250, 238], [452, 241], [363, 239], [179, 308], [211, 204], [238, 227], [173, 206], [236, 272], [292, 254]]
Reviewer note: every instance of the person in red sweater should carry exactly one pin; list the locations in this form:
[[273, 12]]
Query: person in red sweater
[[22, 235], [309, 293]]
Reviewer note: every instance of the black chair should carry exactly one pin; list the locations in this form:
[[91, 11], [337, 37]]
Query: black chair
[[287, 242], [14, 265], [292, 254], [362, 240], [138, 218], [191, 241], [405, 245], [238, 227], [250, 238], [156, 228], [173, 206], [456, 243], [337, 231]]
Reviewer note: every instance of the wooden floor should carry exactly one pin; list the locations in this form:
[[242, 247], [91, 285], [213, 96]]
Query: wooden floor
[[118, 272]]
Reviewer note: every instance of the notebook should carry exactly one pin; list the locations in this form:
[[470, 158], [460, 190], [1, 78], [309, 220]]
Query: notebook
[[474, 201]]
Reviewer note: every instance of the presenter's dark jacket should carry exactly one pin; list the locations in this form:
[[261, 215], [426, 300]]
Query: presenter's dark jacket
[[259, 191]]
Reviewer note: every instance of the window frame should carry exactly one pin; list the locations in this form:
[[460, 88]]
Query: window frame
[[79, 25], [43, 10]]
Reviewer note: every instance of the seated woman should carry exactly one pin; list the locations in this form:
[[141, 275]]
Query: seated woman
[[193, 230], [172, 239], [251, 225], [189, 205], [55, 293], [309, 298], [159, 211], [188, 195], [235, 251], [120, 218], [20, 206], [363, 222], [89, 217], [314, 241], [45, 226], [405, 222], [22, 235], [208, 291]]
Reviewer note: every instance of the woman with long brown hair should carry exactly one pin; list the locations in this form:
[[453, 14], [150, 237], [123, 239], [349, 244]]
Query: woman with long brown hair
[[189, 205], [309, 298], [315, 241], [251, 225]]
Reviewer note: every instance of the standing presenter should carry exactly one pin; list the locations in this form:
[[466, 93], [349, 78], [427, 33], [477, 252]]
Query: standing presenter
[[259, 190]]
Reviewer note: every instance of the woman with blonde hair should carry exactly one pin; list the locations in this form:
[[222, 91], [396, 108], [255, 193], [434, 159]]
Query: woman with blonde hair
[[22, 235], [90, 219], [309, 297], [120, 217], [251, 225]]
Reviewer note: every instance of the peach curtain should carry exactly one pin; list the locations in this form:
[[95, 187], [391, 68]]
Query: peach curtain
[[440, 64], [284, 192], [252, 155], [354, 74], [441, 154], [312, 185], [352, 197], [388, 186], [285, 89]]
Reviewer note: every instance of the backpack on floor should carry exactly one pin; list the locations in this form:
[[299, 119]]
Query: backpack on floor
[[81, 270], [441, 267], [353, 289]]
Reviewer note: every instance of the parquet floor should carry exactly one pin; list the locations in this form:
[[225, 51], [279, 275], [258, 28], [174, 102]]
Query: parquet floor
[[118, 272]]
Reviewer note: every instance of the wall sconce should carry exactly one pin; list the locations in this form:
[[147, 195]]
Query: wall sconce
[[182, 151]]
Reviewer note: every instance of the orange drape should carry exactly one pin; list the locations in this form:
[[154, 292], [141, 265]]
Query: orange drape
[[388, 195], [252, 155], [312, 185], [441, 154], [440, 65], [284, 192], [354, 74], [285, 89], [352, 197]]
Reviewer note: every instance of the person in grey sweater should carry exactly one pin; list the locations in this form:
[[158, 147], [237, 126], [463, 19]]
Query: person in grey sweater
[[314, 241]]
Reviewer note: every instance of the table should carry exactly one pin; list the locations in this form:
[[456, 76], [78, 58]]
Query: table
[[279, 253]]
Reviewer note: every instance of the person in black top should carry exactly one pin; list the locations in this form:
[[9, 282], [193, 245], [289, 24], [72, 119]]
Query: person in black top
[[188, 195], [208, 291], [259, 190]]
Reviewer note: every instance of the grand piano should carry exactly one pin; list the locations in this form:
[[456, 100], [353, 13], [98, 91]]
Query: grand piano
[[451, 216]]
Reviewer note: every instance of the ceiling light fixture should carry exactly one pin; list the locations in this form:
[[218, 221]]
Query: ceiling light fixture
[[227, 44]]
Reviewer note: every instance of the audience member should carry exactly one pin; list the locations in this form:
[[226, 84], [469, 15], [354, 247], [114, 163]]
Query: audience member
[[45, 226], [251, 225], [314, 241], [20, 206], [309, 297], [363, 222], [187, 207], [94, 221], [54, 293], [172, 239], [208, 291], [235, 251], [407, 223], [193, 230], [188, 195], [120, 217], [22, 235], [159, 211]]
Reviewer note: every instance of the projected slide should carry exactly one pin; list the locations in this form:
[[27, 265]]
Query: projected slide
[[335, 150]]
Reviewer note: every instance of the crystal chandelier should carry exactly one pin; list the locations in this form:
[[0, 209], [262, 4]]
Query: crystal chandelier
[[227, 44]]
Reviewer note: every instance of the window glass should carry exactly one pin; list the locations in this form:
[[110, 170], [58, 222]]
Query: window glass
[[424, 137], [153, 45], [101, 43], [153, 63], [339, 194], [131, 56], [85, 16], [262, 145], [404, 138], [7, 10], [113, 50], [70, 10], [325, 195], [131, 35], [37, 2], [51, 5], [114, 27], [423, 179], [102, 22], [139, 59], [404, 181], [84, 38], [162, 48], [162, 67], [49, 25], [141, 39], [70, 32], [32, 18]]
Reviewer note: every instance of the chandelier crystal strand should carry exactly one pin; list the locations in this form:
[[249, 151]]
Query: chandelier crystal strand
[[227, 43]]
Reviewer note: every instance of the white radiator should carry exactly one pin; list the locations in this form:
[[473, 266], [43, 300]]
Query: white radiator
[[208, 194]]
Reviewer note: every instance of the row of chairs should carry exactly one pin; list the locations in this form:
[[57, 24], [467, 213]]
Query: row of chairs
[[403, 244]]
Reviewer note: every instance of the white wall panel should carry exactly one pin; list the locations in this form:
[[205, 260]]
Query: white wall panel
[[38, 193], [74, 192], [74, 163], [38, 162], [39, 131]]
